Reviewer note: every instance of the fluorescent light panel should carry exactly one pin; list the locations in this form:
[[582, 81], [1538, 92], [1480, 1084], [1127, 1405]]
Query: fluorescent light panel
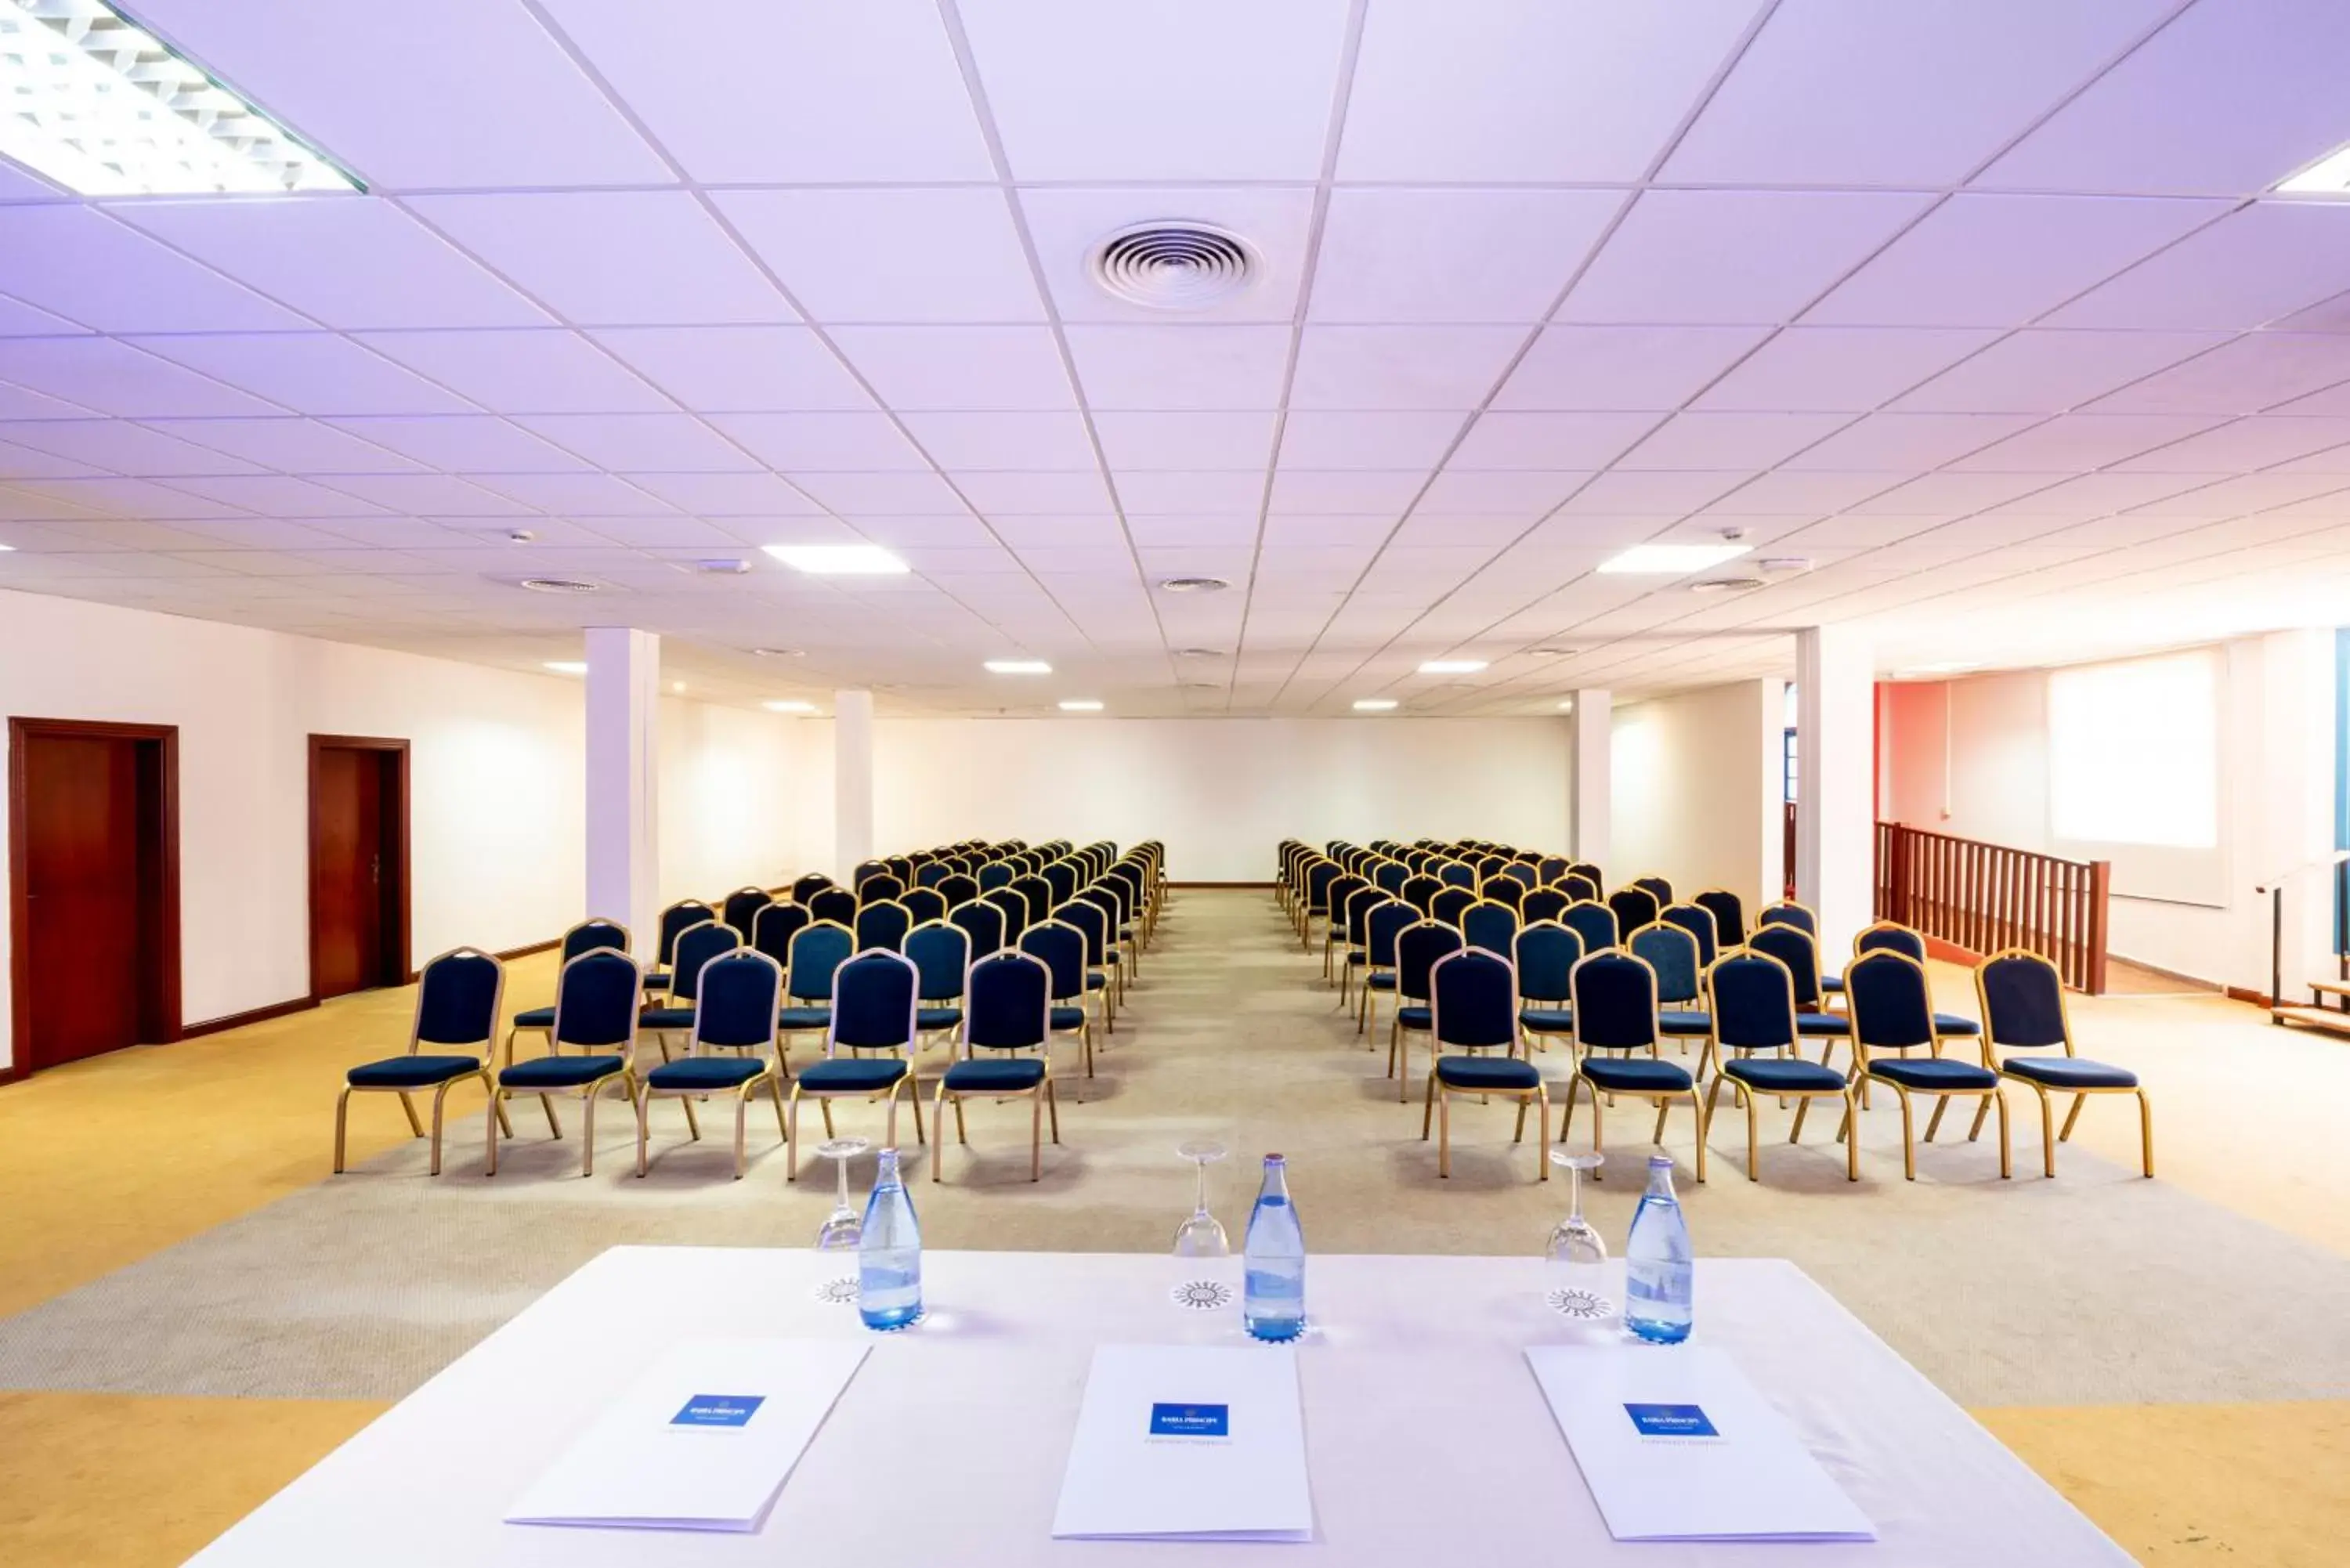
[[1081, 706], [1374, 704], [789, 707], [1018, 667], [2329, 176], [1451, 666], [567, 666], [1670, 560], [104, 108], [839, 560]]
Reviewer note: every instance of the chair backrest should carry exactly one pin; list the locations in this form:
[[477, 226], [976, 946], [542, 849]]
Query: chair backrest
[[1521, 873], [960, 887], [1418, 947], [816, 952], [1490, 926], [925, 904], [597, 996], [459, 995], [1900, 937], [1751, 998], [1366, 898], [931, 873], [865, 871], [1007, 1002], [941, 953], [1891, 1005], [1635, 907], [881, 887], [1419, 891], [773, 928], [739, 994], [1062, 948], [1793, 946], [1790, 913], [696, 946], [1473, 1000], [836, 904], [1656, 887], [1449, 904], [994, 874], [1039, 893], [1671, 952], [981, 921], [1381, 926], [1503, 890], [1614, 995], [1542, 904], [1729, 915], [1015, 905], [2023, 998], [1343, 887], [1589, 871], [873, 1002], [593, 933], [1093, 922], [1547, 953], [883, 924], [901, 867], [1457, 874], [1579, 889], [1061, 876], [1593, 923], [1698, 922], [808, 887], [741, 906], [1389, 876], [1550, 868], [678, 917]]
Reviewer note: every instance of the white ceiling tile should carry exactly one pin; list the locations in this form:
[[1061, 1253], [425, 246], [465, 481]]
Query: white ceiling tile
[[1580, 367], [2048, 371], [1508, 492], [758, 93], [576, 495], [726, 494], [1241, 530], [1017, 495], [1193, 366], [1450, 367], [122, 448], [1068, 225], [1383, 439], [382, 90], [276, 495], [1348, 493], [76, 261], [1702, 256], [2245, 444], [959, 368], [348, 262], [2251, 373], [112, 378], [846, 442], [613, 258], [464, 444], [1185, 441], [1041, 441], [1728, 441], [308, 372], [20, 403], [2095, 495], [426, 494], [1828, 369], [290, 445], [1663, 492], [1081, 91], [549, 372], [891, 256], [1946, 494], [653, 443], [1562, 92], [19, 461], [880, 494], [730, 369], [1911, 442], [136, 498], [2269, 260], [1506, 439], [2076, 444], [18, 319], [1856, 93], [1148, 492], [1414, 256]]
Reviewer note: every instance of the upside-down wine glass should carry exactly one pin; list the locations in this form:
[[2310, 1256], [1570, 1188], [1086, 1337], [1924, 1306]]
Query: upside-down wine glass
[[1574, 1270], [842, 1230], [1199, 1236]]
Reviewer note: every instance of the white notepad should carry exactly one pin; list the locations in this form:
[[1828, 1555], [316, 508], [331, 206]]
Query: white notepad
[[1677, 1445], [704, 1440], [1189, 1442]]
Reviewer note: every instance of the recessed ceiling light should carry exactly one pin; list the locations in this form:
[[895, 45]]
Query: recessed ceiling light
[[1194, 584], [4, 549], [567, 666], [2329, 176], [1018, 667], [780, 652], [1783, 564], [723, 565], [1727, 585], [104, 108], [1671, 560], [1374, 704], [548, 584], [1567, 706], [677, 687], [1451, 666], [839, 560], [1081, 705], [1198, 653], [1548, 652], [788, 706]]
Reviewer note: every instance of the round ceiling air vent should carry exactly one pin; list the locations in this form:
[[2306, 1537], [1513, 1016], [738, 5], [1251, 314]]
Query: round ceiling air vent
[[561, 585], [1193, 584], [1173, 266], [1727, 585]]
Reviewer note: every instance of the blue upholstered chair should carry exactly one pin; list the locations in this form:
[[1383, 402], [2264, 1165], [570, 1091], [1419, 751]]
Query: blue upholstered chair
[[1614, 996], [876, 1006], [1419, 890], [836, 906], [883, 924], [1672, 953], [729, 1049], [1593, 923], [1017, 914], [450, 1040], [1380, 928], [931, 873], [1728, 916], [1417, 948], [598, 996], [806, 887], [741, 906], [1335, 936], [1549, 869], [1353, 928], [1505, 889], [1007, 1013], [1063, 876], [994, 874], [1473, 1008], [879, 888], [1792, 947], [1449, 904], [1892, 935], [1787, 912], [1589, 872], [773, 928], [1893, 1012], [865, 871], [941, 953], [1751, 998], [983, 923], [1634, 906], [1039, 890], [817, 951], [1697, 921], [1062, 950], [675, 921], [1092, 922], [1458, 874], [695, 947], [585, 936], [1656, 887], [1522, 873], [924, 904], [1547, 953], [1579, 889], [1542, 904], [1115, 899], [960, 887], [1491, 926], [2022, 1002], [1390, 876]]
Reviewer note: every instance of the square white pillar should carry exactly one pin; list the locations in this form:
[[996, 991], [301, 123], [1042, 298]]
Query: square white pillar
[[1835, 810], [852, 781], [623, 776], [1591, 725]]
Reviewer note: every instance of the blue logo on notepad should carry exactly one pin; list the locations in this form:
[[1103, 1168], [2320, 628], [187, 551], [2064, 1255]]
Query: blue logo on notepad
[[1670, 1422], [718, 1410], [1191, 1420]]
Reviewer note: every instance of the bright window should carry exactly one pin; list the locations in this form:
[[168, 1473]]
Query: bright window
[[2133, 752]]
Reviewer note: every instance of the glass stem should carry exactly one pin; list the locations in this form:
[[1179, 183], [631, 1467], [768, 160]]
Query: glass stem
[[841, 1168], [1574, 1194], [1199, 1198]]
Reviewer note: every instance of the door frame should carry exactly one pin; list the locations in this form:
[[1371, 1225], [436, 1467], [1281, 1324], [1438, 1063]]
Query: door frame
[[396, 843], [159, 961]]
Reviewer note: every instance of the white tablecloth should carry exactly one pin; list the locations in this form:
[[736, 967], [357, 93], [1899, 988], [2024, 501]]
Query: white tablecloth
[[1429, 1441]]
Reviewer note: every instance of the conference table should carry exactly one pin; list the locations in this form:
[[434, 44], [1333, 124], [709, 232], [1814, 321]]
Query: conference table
[[1429, 1441]]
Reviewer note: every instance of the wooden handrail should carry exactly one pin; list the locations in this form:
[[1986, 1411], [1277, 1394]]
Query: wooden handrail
[[1980, 898]]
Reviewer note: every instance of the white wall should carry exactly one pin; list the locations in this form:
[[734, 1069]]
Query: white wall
[[730, 783], [1697, 790], [497, 792]]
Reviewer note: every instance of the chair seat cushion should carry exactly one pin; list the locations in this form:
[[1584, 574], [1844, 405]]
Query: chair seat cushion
[[1548, 1020], [1952, 1024], [1835, 1024], [1641, 1074], [706, 1073], [656, 982], [1096, 981], [849, 1075], [2070, 1073], [1933, 1073], [559, 1071], [1684, 1020], [1416, 1017], [929, 1018], [665, 1018], [803, 1017], [1486, 1073], [411, 1072], [1783, 1074], [1381, 982], [1070, 1018], [535, 1018], [1831, 982], [995, 1077]]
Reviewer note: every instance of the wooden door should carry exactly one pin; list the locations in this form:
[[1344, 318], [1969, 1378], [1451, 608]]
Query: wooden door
[[358, 892]]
